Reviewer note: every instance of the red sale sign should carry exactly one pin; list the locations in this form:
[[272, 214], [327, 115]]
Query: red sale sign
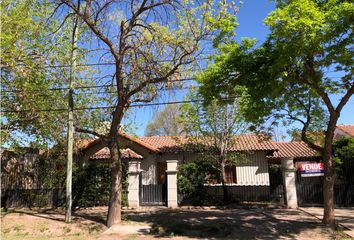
[[313, 169]]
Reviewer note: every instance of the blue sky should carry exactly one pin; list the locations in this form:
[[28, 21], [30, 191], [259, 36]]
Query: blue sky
[[250, 18]]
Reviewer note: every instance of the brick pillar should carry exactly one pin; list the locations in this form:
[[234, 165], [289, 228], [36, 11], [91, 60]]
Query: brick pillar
[[133, 187], [289, 175], [172, 183]]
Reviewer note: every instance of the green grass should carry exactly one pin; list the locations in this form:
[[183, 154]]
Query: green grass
[[340, 234]]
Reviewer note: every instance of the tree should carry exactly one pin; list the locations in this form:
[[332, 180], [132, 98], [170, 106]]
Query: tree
[[165, 123], [306, 59], [150, 44], [34, 92], [213, 128]]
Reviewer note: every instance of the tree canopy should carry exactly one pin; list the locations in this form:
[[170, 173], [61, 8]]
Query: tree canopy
[[165, 122], [151, 44], [306, 60], [212, 129], [35, 50]]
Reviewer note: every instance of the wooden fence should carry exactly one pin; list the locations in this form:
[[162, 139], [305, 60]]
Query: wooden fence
[[16, 198]]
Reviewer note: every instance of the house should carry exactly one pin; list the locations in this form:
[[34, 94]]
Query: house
[[153, 162], [344, 131], [154, 152]]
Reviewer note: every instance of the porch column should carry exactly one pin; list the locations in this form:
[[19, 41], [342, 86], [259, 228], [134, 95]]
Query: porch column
[[172, 183], [289, 175], [133, 187]]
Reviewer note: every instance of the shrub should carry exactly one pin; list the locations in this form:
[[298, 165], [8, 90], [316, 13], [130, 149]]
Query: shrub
[[343, 150], [92, 184], [192, 177]]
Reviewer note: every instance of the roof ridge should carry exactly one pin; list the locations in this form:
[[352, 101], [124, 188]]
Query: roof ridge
[[157, 136], [138, 141], [169, 136]]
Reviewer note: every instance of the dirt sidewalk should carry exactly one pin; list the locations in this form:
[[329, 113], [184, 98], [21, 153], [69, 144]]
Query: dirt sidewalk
[[236, 223], [344, 217]]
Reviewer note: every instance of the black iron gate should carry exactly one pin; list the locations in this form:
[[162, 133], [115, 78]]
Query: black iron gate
[[152, 194], [310, 191], [276, 184]]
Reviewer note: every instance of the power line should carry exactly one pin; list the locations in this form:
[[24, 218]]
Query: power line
[[105, 63], [161, 89], [101, 86], [111, 107], [86, 87], [107, 92]]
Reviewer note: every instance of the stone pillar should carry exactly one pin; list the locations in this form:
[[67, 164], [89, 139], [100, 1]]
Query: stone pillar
[[133, 187], [172, 183], [289, 176]]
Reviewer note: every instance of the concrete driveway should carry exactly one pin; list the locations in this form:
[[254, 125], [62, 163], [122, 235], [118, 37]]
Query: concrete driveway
[[344, 216]]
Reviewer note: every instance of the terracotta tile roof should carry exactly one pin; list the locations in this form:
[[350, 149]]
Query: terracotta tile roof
[[348, 129], [126, 154], [253, 143], [139, 142], [85, 143], [165, 143], [245, 142], [295, 149]]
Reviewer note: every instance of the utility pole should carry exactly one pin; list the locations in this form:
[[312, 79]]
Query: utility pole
[[70, 137]]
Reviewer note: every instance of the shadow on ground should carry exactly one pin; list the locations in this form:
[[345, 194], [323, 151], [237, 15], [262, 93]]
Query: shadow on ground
[[229, 223], [98, 216]]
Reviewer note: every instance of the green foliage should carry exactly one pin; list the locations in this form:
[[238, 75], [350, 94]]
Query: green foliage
[[211, 128], [23, 48], [192, 176], [287, 76], [91, 185], [306, 60], [344, 158], [51, 172], [32, 39]]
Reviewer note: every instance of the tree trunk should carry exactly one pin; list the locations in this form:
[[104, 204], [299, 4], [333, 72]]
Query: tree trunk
[[329, 176], [223, 181], [328, 187], [114, 207], [328, 197]]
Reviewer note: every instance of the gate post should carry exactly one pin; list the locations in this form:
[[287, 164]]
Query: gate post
[[172, 183], [133, 187], [289, 175]]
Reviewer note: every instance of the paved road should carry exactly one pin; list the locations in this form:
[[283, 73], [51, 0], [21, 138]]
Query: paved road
[[344, 216]]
